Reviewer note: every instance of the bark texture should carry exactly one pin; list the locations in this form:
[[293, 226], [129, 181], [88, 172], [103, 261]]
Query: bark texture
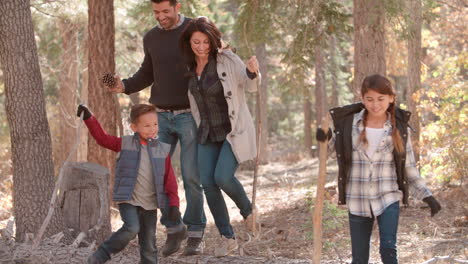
[[68, 83], [102, 102], [369, 41], [33, 169], [414, 68]]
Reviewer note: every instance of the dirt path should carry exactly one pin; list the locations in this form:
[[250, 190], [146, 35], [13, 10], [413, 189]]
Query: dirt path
[[285, 196]]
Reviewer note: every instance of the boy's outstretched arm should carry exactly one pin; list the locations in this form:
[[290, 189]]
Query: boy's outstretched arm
[[170, 184], [102, 138]]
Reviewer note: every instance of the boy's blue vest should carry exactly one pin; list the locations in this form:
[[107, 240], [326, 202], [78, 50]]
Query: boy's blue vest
[[128, 162]]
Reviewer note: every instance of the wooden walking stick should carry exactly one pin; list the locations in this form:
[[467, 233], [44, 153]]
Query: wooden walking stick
[[254, 184], [254, 4], [317, 216]]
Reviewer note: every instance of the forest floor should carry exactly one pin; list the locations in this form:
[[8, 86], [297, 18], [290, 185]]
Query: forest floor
[[285, 196]]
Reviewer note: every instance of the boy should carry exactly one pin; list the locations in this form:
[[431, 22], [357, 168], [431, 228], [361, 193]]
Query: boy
[[144, 181]]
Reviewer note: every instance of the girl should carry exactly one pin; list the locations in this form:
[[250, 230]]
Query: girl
[[376, 167]]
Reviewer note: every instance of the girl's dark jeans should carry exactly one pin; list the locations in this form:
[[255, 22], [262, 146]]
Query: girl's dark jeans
[[361, 230]]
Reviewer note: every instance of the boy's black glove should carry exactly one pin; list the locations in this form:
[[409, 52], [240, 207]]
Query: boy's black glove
[[433, 204], [174, 213], [83, 109], [321, 136]]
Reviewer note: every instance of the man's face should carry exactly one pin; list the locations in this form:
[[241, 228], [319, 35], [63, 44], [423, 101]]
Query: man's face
[[165, 14]]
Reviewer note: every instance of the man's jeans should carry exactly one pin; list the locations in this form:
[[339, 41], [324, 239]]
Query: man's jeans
[[217, 165], [361, 229], [137, 221], [182, 127]]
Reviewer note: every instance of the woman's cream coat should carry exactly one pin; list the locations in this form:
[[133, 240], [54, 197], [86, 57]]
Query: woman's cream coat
[[232, 73]]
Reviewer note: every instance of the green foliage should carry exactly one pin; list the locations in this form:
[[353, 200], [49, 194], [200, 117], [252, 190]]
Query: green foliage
[[333, 217], [255, 23], [399, 19], [445, 138], [291, 30]]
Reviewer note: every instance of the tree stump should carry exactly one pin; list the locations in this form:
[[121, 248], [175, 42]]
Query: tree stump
[[84, 200]]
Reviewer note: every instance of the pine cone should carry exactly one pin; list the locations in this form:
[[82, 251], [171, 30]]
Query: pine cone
[[108, 80]]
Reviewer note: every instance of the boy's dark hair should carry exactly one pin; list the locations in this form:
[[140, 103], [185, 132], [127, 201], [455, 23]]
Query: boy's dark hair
[[171, 2], [139, 110], [205, 26]]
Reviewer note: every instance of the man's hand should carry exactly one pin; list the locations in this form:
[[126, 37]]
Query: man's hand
[[83, 109], [174, 213], [433, 204], [252, 64], [118, 87]]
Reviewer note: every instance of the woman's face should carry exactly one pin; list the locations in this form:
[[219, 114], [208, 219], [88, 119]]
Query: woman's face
[[200, 44], [377, 103]]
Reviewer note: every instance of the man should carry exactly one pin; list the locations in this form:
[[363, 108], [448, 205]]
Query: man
[[163, 67]]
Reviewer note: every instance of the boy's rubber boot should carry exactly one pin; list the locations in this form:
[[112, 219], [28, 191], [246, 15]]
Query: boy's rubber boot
[[174, 241]]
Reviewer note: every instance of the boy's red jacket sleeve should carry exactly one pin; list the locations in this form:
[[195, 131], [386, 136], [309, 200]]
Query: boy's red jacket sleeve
[[102, 138], [170, 184]]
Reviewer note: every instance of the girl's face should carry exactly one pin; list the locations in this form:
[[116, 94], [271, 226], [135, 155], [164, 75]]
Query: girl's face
[[200, 44], [377, 103]]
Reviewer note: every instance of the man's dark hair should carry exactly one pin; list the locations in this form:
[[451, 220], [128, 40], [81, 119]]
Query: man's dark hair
[[139, 110], [205, 26], [171, 2]]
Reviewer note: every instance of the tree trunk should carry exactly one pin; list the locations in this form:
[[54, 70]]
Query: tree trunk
[[321, 104], [414, 68], [334, 72], [369, 41], [68, 82], [33, 169], [307, 120], [82, 151], [262, 102], [102, 102]]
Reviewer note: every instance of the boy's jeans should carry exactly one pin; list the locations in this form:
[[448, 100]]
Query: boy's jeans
[[361, 229], [136, 221], [217, 165], [182, 127]]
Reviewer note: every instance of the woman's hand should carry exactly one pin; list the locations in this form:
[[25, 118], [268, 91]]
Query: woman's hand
[[252, 64]]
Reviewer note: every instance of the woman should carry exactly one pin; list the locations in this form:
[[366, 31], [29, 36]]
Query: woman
[[377, 168], [226, 133]]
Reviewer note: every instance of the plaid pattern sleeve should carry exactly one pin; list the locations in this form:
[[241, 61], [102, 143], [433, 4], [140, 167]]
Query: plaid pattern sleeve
[[417, 186]]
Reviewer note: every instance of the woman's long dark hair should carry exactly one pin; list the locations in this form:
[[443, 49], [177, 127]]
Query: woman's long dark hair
[[381, 85], [205, 26]]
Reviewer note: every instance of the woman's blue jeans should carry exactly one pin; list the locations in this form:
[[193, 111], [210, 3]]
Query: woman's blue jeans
[[361, 230], [136, 221], [217, 165]]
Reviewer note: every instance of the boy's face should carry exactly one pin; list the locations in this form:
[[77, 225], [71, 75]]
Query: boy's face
[[146, 126]]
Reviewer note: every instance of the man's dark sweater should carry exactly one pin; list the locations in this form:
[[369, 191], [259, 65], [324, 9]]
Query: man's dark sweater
[[164, 67]]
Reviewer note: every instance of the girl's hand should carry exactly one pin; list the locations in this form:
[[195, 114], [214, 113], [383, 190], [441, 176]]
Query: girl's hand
[[433, 204], [252, 64]]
